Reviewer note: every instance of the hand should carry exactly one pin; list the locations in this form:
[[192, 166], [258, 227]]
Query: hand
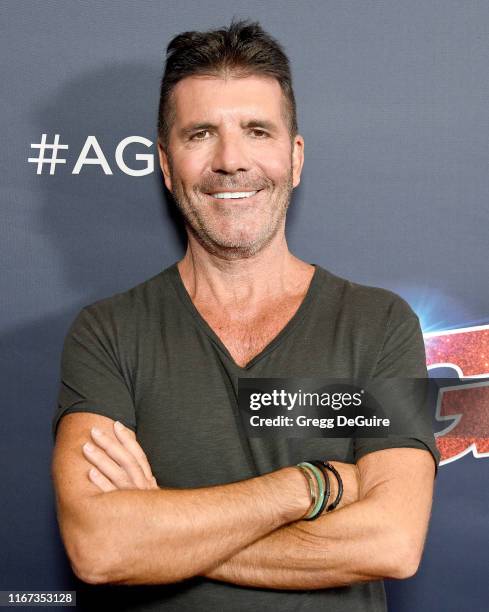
[[120, 462]]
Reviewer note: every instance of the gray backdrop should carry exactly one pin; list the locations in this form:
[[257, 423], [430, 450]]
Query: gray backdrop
[[393, 105]]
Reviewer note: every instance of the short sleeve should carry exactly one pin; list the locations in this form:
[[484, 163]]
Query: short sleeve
[[91, 377], [403, 356]]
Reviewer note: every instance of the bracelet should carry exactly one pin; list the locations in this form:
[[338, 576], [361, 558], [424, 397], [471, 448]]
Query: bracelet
[[328, 485], [312, 488], [333, 505], [321, 482]]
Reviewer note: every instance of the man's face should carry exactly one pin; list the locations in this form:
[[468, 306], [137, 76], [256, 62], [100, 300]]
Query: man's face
[[230, 138]]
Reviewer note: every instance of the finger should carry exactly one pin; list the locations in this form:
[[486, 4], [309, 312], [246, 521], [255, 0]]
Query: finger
[[100, 480], [104, 464], [128, 439], [121, 456]]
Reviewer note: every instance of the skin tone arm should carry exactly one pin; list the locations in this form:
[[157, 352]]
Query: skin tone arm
[[382, 535], [387, 525], [157, 535]]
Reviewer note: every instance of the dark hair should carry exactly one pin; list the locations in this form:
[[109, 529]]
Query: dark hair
[[242, 49]]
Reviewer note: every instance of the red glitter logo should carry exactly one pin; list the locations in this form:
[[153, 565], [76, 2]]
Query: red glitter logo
[[464, 406]]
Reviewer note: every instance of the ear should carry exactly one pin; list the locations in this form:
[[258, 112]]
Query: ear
[[297, 159], [164, 165]]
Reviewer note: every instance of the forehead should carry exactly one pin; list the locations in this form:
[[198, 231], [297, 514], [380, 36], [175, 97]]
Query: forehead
[[199, 98]]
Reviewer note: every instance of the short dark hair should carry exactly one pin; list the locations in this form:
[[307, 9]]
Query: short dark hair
[[243, 49]]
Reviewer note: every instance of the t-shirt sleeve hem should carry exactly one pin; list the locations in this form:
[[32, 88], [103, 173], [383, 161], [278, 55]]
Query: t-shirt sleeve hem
[[384, 443], [91, 410]]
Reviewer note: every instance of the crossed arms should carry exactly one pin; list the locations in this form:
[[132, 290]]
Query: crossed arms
[[119, 527]]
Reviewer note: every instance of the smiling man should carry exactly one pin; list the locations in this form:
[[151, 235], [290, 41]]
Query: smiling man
[[180, 498], [233, 173]]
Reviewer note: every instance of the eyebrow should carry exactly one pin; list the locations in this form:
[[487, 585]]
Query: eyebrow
[[252, 123]]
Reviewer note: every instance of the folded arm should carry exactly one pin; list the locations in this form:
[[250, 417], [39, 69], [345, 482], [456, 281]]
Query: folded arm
[[160, 536], [234, 533], [380, 536]]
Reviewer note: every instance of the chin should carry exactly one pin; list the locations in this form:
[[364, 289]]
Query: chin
[[241, 246]]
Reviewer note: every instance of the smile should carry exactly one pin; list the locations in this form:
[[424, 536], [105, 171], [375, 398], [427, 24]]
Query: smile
[[233, 195]]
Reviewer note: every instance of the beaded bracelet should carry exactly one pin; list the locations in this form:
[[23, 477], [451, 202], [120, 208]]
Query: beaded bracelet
[[333, 505], [321, 483], [312, 486], [327, 493]]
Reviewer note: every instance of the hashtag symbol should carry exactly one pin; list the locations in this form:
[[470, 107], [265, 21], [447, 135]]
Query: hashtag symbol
[[41, 160]]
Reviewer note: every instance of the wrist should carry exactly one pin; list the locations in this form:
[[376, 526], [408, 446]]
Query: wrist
[[291, 493]]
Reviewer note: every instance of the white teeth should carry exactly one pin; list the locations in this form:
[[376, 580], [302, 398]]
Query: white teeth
[[230, 195]]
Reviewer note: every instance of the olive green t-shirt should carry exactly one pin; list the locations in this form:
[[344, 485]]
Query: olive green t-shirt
[[147, 358]]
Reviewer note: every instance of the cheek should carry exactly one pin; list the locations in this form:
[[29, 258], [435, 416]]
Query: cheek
[[188, 169], [277, 169], [275, 163]]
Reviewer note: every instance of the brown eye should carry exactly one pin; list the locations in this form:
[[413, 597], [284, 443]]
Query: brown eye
[[259, 133], [200, 135]]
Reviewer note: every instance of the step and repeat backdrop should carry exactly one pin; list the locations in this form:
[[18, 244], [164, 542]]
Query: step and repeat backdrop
[[392, 102]]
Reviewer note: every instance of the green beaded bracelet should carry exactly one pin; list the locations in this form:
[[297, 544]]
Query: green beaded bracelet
[[320, 480]]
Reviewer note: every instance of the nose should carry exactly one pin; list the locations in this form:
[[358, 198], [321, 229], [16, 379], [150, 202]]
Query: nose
[[229, 155]]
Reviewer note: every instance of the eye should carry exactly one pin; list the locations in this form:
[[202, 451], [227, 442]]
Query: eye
[[199, 135], [259, 133]]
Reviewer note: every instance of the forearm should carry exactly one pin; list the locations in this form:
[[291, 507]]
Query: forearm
[[166, 535], [341, 547]]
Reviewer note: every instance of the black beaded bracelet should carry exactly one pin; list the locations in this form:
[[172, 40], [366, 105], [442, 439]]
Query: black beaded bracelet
[[333, 505]]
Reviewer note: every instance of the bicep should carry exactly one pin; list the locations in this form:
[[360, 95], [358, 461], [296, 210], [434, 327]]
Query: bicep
[[401, 481]]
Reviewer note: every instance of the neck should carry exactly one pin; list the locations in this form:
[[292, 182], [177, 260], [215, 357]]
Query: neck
[[243, 284]]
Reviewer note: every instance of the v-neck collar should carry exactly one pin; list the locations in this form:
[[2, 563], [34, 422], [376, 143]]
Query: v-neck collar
[[176, 278]]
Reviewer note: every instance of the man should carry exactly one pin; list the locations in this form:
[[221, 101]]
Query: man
[[191, 504]]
